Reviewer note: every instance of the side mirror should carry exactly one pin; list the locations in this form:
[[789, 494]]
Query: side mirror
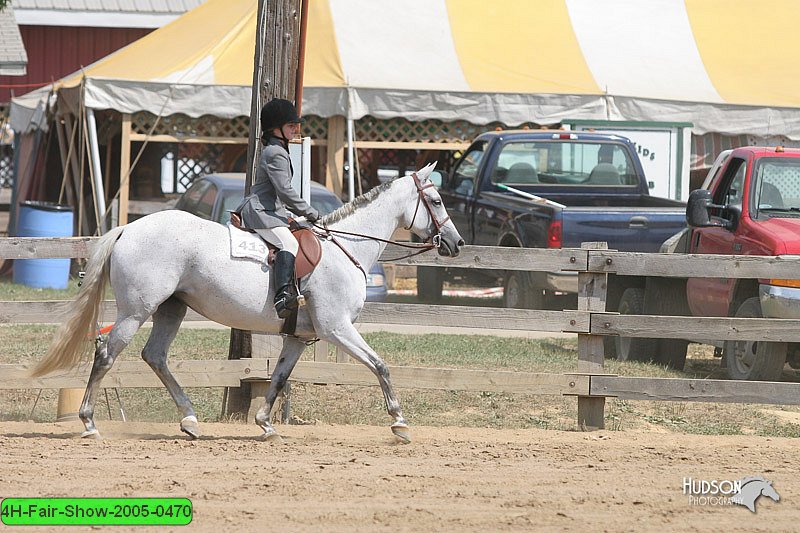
[[697, 210], [437, 178]]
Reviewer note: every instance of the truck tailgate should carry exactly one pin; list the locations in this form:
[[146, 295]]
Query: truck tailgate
[[636, 229]]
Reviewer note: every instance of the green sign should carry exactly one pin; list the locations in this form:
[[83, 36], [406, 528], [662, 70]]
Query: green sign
[[96, 511]]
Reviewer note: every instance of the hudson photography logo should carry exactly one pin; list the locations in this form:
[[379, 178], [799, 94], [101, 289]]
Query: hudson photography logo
[[745, 491]]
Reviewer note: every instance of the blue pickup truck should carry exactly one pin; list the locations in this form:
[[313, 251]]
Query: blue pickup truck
[[550, 189]]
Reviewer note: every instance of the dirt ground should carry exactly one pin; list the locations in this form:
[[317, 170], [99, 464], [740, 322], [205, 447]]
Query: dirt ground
[[356, 478]]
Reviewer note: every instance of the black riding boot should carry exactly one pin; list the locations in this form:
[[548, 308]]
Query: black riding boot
[[285, 293]]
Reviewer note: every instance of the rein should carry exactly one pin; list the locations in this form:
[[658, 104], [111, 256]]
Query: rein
[[435, 240], [421, 247]]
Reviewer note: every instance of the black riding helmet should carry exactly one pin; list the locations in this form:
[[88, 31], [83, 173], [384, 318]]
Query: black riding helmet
[[275, 114]]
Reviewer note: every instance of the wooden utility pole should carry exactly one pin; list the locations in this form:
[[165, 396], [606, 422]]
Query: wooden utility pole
[[275, 75]]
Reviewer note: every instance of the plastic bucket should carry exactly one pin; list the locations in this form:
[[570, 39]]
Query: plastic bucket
[[69, 403], [43, 219]]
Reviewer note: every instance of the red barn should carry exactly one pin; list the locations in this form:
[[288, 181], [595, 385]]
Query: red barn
[[61, 36]]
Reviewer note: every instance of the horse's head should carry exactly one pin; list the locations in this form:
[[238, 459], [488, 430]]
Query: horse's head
[[769, 491], [432, 223]]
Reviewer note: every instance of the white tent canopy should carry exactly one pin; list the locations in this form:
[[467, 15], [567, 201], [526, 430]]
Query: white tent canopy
[[512, 61]]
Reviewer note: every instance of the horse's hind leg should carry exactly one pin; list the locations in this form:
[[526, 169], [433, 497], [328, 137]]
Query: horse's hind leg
[[104, 357], [290, 353], [353, 343], [166, 321]]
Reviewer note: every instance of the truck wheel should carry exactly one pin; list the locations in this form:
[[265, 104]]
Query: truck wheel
[[669, 299], [754, 360], [632, 348], [519, 293], [429, 284]]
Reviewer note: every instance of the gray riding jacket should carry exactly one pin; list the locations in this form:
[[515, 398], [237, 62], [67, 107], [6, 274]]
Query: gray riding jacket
[[272, 192]]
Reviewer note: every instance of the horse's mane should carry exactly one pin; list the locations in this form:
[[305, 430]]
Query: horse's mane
[[359, 201]]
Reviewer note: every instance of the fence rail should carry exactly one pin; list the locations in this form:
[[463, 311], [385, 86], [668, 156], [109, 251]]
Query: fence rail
[[590, 321]]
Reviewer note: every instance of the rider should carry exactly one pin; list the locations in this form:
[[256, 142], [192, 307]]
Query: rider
[[264, 210]]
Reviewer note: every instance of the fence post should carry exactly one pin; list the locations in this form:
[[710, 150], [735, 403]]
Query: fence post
[[592, 288], [321, 351]]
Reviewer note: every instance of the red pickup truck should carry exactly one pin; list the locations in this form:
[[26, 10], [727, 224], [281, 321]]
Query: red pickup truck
[[749, 205]]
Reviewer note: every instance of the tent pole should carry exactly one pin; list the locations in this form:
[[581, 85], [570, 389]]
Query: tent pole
[[77, 175], [65, 150], [124, 169], [298, 84], [98, 170], [350, 179], [335, 149]]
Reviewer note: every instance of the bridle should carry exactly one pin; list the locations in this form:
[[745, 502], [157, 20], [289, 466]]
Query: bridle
[[436, 238], [434, 241]]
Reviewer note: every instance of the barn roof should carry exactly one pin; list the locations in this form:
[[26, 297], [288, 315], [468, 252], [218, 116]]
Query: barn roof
[[13, 58], [101, 13]]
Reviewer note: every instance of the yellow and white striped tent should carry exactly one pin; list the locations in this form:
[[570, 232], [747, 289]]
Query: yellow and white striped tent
[[725, 66]]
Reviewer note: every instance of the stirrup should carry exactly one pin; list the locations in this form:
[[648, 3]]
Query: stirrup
[[285, 305]]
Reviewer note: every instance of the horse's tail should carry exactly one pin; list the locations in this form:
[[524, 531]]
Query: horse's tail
[[73, 339]]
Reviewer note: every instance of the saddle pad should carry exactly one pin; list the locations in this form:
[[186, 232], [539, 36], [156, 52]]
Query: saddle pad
[[247, 245]]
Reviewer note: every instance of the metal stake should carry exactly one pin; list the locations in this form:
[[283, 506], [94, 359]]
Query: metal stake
[[121, 410], [36, 401]]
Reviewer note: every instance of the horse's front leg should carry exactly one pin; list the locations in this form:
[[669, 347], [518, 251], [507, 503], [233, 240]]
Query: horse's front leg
[[352, 342], [290, 354]]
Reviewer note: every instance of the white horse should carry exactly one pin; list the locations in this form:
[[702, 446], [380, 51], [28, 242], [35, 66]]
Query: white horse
[[168, 261]]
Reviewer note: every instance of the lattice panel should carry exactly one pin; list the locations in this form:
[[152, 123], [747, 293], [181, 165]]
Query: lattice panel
[[315, 127], [6, 149], [433, 131], [366, 129], [196, 160], [183, 126], [6, 165]]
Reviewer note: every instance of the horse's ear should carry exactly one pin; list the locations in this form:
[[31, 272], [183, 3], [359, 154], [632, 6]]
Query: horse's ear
[[425, 172]]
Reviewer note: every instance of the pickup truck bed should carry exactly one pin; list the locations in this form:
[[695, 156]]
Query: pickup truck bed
[[636, 223]]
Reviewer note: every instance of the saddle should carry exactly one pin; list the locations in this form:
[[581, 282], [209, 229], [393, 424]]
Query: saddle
[[308, 255]]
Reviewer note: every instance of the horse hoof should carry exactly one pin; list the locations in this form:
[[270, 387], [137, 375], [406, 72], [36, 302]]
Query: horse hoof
[[402, 432], [190, 426], [91, 434], [271, 437]]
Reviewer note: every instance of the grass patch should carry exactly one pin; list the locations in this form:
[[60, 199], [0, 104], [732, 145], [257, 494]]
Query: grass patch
[[18, 293], [14, 292]]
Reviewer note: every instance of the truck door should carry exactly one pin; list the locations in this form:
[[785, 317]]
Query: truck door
[[458, 194], [516, 164], [711, 296]]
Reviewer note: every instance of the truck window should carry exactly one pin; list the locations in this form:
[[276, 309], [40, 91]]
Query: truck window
[[188, 202], [564, 163], [731, 193], [518, 164], [466, 172], [205, 205], [777, 185]]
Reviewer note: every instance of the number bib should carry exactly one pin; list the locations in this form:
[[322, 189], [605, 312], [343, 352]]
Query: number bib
[[247, 245]]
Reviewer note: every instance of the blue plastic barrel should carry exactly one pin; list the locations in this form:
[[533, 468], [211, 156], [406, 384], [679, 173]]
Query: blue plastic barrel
[[43, 219]]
